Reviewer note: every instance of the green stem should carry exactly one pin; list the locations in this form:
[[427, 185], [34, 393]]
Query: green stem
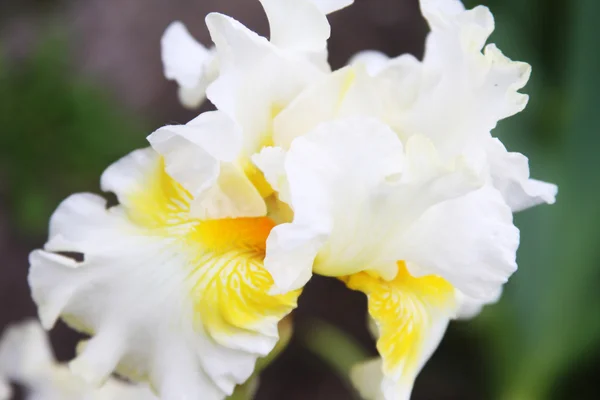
[[246, 391], [333, 346]]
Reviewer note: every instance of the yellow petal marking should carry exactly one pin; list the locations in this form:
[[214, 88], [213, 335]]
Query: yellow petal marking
[[161, 202], [232, 292], [258, 179], [229, 284], [403, 309]]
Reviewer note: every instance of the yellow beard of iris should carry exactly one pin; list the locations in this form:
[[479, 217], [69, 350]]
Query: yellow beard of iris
[[402, 309], [229, 285]]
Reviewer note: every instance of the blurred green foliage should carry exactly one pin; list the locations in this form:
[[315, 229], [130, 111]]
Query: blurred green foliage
[[547, 324], [57, 134]]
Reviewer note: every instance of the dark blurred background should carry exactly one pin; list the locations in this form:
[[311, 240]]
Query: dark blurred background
[[81, 84]]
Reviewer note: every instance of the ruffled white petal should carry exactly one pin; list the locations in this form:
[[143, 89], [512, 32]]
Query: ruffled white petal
[[257, 79], [26, 358], [232, 196], [128, 174], [142, 335], [166, 297], [460, 91], [200, 156], [321, 102], [374, 61], [464, 93], [299, 33], [329, 6], [193, 151], [184, 58], [457, 95], [510, 174], [353, 189], [271, 162], [187, 62], [469, 308], [297, 25], [470, 241], [300, 27], [350, 92], [362, 202]]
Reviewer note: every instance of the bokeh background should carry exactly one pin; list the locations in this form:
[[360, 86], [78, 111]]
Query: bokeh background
[[81, 85]]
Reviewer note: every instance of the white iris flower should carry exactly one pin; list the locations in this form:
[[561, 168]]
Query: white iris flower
[[26, 358], [167, 297], [385, 174]]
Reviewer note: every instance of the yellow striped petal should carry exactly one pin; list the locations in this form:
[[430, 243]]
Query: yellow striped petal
[[411, 315], [179, 301]]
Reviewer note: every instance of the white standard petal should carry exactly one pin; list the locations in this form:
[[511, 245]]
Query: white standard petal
[[300, 27], [201, 156], [469, 308], [329, 6], [374, 61], [321, 102], [460, 91], [510, 174], [353, 189], [187, 62], [457, 95], [166, 297], [257, 79], [483, 88], [271, 162], [297, 25], [349, 92]]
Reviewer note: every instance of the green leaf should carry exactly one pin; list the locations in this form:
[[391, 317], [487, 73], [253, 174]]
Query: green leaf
[[58, 134], [338, 350], [547, 319]]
